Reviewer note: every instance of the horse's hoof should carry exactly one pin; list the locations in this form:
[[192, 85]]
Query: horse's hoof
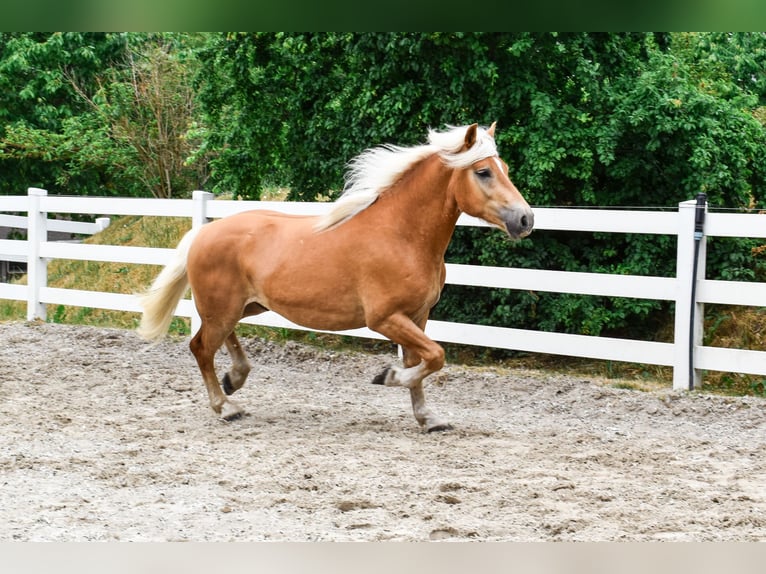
[[231, 412], [227, 386], [441, 427], [381, 378], [231, 418]]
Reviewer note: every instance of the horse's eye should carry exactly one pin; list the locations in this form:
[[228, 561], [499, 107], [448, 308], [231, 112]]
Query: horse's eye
[[485, 173]]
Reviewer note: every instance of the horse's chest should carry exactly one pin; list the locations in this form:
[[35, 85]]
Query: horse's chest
[[425, 286]]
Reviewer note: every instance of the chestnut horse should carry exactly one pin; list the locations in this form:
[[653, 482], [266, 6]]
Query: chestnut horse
[[375, 259]]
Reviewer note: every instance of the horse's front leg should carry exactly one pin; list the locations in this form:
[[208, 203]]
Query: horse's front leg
[[422, 356], [423, 414]]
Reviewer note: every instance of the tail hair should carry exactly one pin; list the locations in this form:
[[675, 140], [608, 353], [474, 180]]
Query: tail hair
[[160, 300]]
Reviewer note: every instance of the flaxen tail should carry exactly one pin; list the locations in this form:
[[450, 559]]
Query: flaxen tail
[[160, 301]]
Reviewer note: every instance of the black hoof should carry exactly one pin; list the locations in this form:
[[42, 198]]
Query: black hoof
[[381, 378], [441, 428], [227, 386]]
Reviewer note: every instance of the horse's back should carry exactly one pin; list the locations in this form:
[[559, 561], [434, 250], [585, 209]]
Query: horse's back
[[236, 231]]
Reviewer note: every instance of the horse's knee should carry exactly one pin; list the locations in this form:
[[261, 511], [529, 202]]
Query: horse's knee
[[195, 344], [434, 358]]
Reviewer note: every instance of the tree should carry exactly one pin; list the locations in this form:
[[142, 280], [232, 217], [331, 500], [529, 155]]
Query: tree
[[140, 119], [36, 97], [127, 131]]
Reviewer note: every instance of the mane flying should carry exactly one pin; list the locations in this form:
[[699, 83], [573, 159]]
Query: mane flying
[[376, 169]]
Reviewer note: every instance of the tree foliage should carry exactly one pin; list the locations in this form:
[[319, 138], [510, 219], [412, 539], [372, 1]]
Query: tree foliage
[[37, 98], [98, 113]]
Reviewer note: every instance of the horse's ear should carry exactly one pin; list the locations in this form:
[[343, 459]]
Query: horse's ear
[[491, 130], [470, 136]]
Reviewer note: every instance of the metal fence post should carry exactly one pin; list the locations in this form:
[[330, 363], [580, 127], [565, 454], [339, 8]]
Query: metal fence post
[[199, 218], [688, 327], [37, 267]]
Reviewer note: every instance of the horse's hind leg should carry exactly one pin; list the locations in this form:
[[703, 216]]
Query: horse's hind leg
[[235, 378], [240, 367], [204, 346]]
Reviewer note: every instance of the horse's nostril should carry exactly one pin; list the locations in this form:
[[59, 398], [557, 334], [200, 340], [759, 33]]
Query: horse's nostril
[[524, 222]]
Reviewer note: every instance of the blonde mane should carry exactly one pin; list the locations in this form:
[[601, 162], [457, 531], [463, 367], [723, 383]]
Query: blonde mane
[[375, 170]]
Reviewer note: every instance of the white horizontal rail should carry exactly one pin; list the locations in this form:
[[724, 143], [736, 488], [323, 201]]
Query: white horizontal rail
[[648, 352], [271, 319], [731, 360], [14, 203], [736, 225], [117, 206], [606, 220], [14, 221], [13, 292], [732, 293], [635, 286], [545, 218], [630, 350], [61, 225], [223, 208], [101, 300], [14, 248], [106, 253]]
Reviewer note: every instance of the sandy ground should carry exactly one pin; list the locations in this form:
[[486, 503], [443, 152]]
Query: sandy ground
[[107, 438]]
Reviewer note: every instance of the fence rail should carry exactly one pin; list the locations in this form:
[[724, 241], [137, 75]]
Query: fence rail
[[687, 366], [18, 253]]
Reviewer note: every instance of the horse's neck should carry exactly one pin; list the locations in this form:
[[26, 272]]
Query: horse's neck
[[424, 202]]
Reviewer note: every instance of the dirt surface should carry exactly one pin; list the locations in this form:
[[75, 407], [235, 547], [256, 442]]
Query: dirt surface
[[107, 438]]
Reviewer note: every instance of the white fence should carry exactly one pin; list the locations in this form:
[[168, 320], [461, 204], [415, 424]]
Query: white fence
[[685, 354], [60, 225]]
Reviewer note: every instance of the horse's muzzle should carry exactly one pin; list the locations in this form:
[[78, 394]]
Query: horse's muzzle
[[518, 222]]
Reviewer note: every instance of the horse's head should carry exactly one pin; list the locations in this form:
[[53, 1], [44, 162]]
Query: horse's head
[[483, 189]]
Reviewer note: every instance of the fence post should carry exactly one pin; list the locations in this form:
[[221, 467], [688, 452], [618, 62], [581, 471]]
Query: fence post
[[199, 218], [688, 330], [37, 267], [102, 223]]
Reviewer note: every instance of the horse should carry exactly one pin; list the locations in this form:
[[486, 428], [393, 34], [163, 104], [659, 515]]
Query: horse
[[375, 259]]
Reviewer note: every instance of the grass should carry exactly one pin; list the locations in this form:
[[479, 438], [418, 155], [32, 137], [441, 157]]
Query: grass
[[736, 327]]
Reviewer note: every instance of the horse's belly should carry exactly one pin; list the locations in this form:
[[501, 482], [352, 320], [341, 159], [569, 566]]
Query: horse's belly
[[318, 309], [315, 296], [321, 320]]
